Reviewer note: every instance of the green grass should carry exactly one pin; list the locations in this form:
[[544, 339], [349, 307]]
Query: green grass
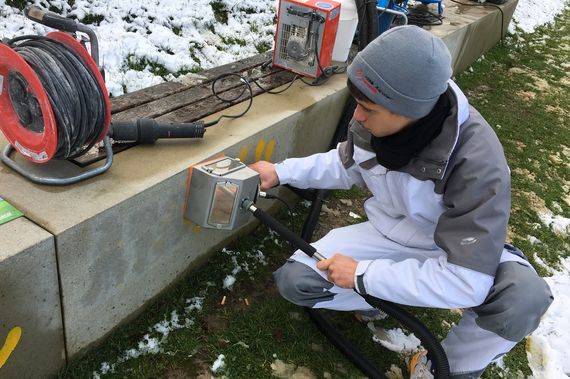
[[220, 11], [263, 47], [140, 64], [233, 41], [20, 4], [253, 335], [92, 19]]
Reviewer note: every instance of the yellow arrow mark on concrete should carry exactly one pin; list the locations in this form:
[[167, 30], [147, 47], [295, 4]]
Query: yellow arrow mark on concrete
[[10, 344], [243, 153], [259, 149], [269, 149]]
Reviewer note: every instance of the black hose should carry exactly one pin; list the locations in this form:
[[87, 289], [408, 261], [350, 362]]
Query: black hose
[[317, 197], [362, 24], [314, 213], [344, 346], [373, 27], [294, 239]]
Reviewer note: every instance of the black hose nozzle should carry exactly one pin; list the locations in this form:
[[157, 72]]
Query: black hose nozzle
[[147, 130]]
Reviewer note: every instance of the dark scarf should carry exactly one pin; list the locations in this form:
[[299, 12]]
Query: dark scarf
[[396, 150]]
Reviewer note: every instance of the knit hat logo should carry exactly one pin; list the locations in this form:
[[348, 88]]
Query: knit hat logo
[[369, 83]]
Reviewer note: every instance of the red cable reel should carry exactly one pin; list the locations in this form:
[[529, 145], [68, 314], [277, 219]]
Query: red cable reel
[[37, 142]]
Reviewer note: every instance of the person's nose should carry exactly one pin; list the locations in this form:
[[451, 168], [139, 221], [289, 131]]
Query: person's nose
[[359, 114]]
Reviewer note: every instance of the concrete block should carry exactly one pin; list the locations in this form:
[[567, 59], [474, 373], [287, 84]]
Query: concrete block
[[29, 300]]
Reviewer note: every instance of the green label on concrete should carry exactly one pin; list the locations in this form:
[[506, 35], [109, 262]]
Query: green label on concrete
[[8, 212]]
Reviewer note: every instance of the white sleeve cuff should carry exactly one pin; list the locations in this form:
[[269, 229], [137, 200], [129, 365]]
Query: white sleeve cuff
[[283, 173], [359, 276]]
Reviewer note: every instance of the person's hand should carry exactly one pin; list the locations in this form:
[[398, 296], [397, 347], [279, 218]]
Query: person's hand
[[340, 270], [267, 174]]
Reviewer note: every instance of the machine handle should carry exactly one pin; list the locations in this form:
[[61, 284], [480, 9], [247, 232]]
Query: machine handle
[[148, 130], [51, 19]]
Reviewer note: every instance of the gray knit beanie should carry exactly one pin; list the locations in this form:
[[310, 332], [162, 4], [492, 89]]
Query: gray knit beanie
[[405, 69]]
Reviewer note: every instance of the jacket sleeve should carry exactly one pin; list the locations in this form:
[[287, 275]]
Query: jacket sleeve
[[432, 283], [324, 171]]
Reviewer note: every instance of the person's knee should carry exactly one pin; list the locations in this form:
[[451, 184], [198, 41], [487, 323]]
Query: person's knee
[[301, 285], [516, 302]]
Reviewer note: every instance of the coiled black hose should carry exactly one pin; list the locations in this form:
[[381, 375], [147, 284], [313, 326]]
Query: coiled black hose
[[76, 98]]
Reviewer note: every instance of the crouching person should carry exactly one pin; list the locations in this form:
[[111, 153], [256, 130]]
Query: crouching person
[[439, 211]]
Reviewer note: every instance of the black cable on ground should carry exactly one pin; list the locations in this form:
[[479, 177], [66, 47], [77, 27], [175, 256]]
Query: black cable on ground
[[317, 198], [410, 322], [76, 98]]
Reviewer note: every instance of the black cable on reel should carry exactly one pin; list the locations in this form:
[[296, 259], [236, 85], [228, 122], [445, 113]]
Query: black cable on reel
[[77, 100]]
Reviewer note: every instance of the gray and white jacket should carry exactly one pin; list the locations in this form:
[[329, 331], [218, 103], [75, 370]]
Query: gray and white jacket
[[453, 197]]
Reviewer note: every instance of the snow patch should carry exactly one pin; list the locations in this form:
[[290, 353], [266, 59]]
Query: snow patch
[[530, 14], [547, 347], [559, 224], [395, 340], [229, 282], [219, 363]]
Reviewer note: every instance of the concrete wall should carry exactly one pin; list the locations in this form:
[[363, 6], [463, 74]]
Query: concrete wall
[[29, 300]]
